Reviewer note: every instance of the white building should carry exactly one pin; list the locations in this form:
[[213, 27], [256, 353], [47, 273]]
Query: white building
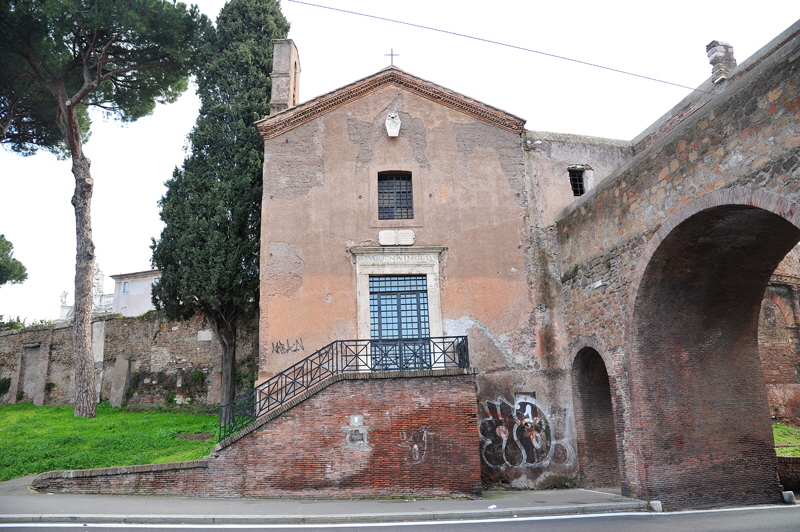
[[132, 292]]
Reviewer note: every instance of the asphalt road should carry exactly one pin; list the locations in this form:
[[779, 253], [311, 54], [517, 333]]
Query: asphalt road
[[766, 519]]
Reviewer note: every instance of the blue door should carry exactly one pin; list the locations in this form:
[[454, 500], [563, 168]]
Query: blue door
[[399, 324]]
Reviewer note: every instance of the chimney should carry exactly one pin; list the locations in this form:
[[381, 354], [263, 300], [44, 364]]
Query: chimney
[[285, 76], [720, 55]]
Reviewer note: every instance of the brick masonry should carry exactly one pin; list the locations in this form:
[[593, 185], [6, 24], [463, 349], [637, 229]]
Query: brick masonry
[[789, 472], [779, 338], [597, 446], [665, 264], [359, 437]]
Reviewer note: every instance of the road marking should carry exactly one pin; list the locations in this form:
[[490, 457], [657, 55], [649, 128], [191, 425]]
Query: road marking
[[387, 524]]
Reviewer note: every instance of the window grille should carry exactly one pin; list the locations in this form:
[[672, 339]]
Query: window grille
[[395, 197], [576, 182], [399, 322], [398, 307]]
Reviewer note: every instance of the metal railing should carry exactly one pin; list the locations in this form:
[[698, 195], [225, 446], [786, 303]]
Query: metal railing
[[342, 356]]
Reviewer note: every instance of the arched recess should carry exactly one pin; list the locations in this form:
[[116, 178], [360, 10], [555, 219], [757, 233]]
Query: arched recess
[[699, 414], [783, 305], [777, 347], [774, 347], [594, 421]]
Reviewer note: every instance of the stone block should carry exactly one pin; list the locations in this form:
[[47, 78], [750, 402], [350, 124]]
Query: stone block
[[34, 377], [396, 237], [119, 381]]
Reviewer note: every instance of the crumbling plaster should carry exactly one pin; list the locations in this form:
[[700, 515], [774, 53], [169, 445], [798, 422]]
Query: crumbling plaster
[[552, 154], [464, 174], [295, 164]]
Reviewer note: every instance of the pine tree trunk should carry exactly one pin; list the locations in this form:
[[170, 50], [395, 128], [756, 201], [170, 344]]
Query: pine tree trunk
[[85, 390]]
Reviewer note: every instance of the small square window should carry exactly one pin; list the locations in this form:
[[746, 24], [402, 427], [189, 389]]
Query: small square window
[[577, 182], [395, 196]]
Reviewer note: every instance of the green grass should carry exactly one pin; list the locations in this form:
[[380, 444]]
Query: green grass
[[35, 439], [786, 435]]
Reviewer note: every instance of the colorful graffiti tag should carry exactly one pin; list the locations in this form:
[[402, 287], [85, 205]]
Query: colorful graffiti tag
[[515, 434]]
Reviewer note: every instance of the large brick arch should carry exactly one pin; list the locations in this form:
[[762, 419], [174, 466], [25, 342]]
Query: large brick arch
[[699, 415]]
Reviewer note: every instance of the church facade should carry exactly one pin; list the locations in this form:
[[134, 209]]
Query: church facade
[[397, 209]]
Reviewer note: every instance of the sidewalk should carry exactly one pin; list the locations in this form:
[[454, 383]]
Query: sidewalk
[[20, 505]]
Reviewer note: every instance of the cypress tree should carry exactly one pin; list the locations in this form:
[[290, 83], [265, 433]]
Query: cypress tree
[[208, 251]]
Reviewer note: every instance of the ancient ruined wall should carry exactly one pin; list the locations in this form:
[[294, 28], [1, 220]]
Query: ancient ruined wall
[[161, 357], [140, 361], [40, 364], [61, 366], [747, 139], [357, 438], [672, 305], [538, 449], [790, 265]]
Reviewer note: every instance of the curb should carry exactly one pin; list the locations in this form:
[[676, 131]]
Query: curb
[[627, 506]]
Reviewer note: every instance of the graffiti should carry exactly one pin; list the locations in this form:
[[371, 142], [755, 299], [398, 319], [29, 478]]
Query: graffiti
[[289, 347], [418, 443], [515, 435]]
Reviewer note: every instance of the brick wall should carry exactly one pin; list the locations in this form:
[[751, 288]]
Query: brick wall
[[779, 338], [359, 437], [665, 264], [597, 444], [789, 472]]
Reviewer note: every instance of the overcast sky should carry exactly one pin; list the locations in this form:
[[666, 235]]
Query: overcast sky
[[130, 163]]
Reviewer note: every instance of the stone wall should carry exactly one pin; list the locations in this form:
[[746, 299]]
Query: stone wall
[[139, 361], [363, 436]]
